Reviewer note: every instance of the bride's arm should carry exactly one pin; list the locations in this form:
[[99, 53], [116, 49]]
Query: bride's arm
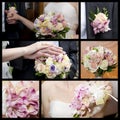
[[45, 49], [15, 16]]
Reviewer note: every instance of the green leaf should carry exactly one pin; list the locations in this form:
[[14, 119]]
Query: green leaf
[[92, 16], [98, 10], [105, 11], [76, 115], [39, 74], [99, 72], [110, 68], [9, 5], [15, 5], [95, 49]]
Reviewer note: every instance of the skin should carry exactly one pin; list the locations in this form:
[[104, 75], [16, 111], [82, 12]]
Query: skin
[[12, 17], [31, 52], [65, 90]]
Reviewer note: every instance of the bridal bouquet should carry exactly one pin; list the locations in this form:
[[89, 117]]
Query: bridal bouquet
[[100, 21], [51, 26], [20, 100], [99, 60], [53, 67], [90, 98]]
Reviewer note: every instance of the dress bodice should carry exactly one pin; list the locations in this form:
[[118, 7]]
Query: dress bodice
[[68, 11], [89, 97], [59, 109]]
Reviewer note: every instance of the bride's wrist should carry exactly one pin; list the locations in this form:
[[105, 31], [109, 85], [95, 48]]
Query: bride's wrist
[[25, 51], [20, 18]]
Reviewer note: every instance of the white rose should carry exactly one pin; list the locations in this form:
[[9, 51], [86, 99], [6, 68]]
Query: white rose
[[101, 17], [13, 9], [104, 65], [49, 61]]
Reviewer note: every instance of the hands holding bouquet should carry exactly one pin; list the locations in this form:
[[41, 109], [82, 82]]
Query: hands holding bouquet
[[51, 25]]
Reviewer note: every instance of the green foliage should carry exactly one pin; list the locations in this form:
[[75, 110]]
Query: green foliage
[[58, 35], [100, 72], [61, 76], [92, 14], [9, 5], [105, 11], [76, 115]]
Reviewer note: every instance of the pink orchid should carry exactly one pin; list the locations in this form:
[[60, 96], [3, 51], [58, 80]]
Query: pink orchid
[[22, 105]]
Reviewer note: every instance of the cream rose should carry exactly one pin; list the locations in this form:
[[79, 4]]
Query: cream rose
[[101, 17], [12, 9], [104, 65]]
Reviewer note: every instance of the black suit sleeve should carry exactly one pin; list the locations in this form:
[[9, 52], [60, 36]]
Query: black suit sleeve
[[70, 47], [73, 56], [115, 20]]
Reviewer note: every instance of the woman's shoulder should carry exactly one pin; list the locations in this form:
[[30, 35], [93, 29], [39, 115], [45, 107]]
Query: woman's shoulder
[[47, 85], [74, 4]]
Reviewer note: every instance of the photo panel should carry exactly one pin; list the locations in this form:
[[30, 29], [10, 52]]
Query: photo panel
[[79, 99], [40, 20], [99, 59], [40, 60], [99, 20], [20, 99]]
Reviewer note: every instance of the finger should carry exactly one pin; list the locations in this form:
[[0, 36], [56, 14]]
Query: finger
[[50, 44], [57, 49], [9, 15], [11, 21], [37, 55], [48, 51], [41, 54]]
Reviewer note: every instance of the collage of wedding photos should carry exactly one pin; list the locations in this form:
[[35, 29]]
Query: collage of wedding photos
[[59, 59]]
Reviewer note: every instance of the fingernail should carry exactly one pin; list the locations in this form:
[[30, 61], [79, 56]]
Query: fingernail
[[64, 52]]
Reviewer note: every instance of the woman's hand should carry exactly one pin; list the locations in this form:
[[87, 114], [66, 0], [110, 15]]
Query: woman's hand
[[12, 16], [39, 49]]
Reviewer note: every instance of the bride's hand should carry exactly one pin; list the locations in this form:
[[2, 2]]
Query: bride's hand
[[39, 49], [12, 17]]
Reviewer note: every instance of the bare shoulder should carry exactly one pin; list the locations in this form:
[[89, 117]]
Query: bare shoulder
[[48, 85], [75, 4]]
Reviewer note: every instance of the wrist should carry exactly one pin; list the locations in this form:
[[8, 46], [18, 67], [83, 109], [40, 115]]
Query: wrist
[[20, 18], [25, 51]]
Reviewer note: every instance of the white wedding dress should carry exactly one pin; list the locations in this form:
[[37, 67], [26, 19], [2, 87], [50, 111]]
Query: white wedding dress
[[69, 13], [59, 109], [5, 68]]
